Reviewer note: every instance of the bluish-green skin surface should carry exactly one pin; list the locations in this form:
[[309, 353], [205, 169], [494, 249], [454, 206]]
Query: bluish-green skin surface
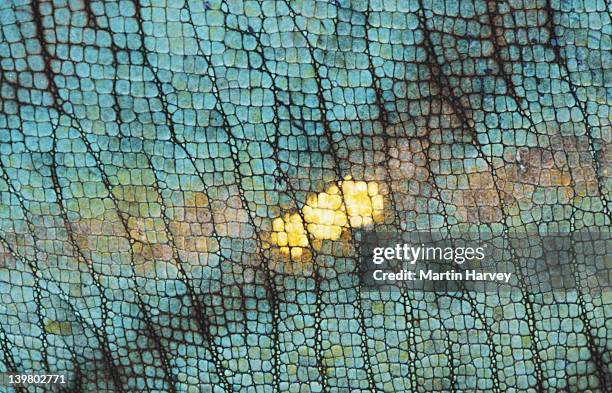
[[146, 145]]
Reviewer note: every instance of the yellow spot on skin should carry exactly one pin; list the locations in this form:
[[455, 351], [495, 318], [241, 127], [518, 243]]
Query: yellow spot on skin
[[296, 252], [278, 224], [346, 204]]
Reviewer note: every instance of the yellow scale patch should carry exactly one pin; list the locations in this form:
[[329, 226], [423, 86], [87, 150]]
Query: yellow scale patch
[[347, 204]]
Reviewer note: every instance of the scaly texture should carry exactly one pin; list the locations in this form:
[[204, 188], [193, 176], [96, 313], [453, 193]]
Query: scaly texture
[[147, 146]]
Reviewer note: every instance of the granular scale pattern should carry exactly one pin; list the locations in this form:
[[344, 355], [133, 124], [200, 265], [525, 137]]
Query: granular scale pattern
[[182, 184]]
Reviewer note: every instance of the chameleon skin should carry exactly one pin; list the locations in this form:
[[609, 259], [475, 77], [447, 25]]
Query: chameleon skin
[[147, 146]]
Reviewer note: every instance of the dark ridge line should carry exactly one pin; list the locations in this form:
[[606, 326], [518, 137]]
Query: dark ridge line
[[311, 248], [78, 375], [100, 166], [384, 122], [334, 153], [288, 183], [511, 90], [318, 298], [33, 264], [200, 319], [271, 293], [195, 166], [364, 345], [282, 174], [378, 120], [460, 113], [69, 230], [432, 181], [596, 356], [101, 336], [55, 96], [513, 93], [221, 257], [57, 187], [434, 184], [4, 340], [492, 12], [176, 256], [313, 252], [382, 119], [8, 358], [529, 308], [216, 354], [549, 25], [492, 15], [529, 305], [451, 360], [198, 305], [30, 263], [311, 238], [5, 344], [58, 104]]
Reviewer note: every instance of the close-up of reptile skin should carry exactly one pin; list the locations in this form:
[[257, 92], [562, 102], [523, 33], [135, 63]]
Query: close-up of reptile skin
[[184, 183]]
